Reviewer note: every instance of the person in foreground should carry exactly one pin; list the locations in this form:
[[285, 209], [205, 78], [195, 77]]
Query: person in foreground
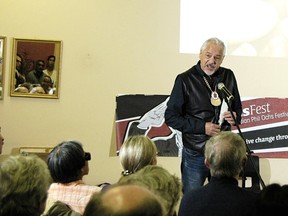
[[68, 163], [25, 180], [273, 200], [124, 200], [158, 180], [194, 109], [225, 156]]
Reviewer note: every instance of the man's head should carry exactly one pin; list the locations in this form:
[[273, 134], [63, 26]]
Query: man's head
[[211, 55], [25, 180], [46, 83], [39, 66], [18, 62], [124, 200], [225, 154], [51, 62]]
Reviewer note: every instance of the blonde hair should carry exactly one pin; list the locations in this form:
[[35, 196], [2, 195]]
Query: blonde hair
[[25, 180], [161, 182], [136, 152]]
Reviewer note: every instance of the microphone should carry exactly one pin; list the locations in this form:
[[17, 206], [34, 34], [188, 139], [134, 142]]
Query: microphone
[[223, 88]]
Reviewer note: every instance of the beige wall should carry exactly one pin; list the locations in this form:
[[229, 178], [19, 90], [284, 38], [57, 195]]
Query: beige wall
[[111, 47]]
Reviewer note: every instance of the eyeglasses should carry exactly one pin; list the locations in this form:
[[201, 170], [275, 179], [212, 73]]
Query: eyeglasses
[[87, 156]]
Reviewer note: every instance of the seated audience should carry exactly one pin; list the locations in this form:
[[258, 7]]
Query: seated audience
[[37, 75], [68, 163], [137, 152], [124, 200], [1, 141], [225, 156], [46, 87], [19, 72], [25, 180], [50, 69], [273, 200], [158, 180], [21, 89]]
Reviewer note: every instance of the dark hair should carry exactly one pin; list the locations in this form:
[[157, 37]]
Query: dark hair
[[65, 161], [273, 200], [40, 60], [51, 56]]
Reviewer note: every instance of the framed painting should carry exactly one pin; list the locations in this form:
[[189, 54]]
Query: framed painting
[[35, 68], [2, 64]]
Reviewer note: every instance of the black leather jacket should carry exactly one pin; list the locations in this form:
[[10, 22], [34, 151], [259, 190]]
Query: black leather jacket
[[189, 106]]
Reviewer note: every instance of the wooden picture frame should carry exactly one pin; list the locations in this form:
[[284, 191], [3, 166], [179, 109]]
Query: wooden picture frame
[[2, 64], [35, 70]]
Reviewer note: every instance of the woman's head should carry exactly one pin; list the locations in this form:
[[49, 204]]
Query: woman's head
[[67, 162], [136, 152]]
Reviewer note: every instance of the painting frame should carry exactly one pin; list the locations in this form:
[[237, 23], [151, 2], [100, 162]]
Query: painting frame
[[2, 65], [36, 68]]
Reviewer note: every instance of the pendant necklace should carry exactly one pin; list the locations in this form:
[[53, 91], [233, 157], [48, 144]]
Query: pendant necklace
[[215, 100]]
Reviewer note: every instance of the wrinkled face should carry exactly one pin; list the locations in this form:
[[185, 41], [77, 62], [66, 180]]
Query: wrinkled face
[[211, 58]]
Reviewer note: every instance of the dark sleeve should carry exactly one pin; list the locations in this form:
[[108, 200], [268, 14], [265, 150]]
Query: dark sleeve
[[175, 114]]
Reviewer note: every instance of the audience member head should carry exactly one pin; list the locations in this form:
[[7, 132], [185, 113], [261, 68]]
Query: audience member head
[[225, 154], [1, 141], [137, 152], [46, 84], [19, 63], [25, 180], [37, 90], [40, 64], [124, 200], [158, 180], [273, 200], [21, 89], [68, 162], [50, 62]]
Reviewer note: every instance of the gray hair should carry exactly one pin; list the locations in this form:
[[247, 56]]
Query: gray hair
[[216, 41], [226, 154]]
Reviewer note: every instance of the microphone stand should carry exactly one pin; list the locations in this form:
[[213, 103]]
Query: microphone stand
[[249, 152]]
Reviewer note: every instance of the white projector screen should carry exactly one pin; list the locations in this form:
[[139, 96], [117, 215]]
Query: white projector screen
[[248, 27]]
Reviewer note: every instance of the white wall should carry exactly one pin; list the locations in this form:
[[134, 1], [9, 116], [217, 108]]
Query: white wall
[[111, 47]]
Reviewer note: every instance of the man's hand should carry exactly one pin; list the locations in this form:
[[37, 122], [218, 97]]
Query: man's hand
[[211, 129], [228, 117]]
